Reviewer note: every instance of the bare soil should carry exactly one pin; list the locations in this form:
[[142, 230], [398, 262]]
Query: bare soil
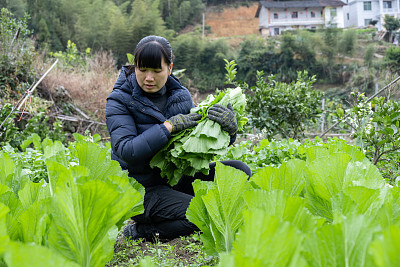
[[183, 251], [233, 21]]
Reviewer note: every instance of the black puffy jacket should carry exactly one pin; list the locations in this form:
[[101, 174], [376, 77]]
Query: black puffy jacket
[[136, 125]]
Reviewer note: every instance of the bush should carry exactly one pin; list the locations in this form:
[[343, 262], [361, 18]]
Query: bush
[[348, 42], [16, 56], [392, 58], [17, 75], [14, 131], [283, 109], [369, 55]]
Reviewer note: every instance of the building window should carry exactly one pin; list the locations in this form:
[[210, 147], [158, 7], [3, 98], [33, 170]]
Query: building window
[[276, 31], [312, 14], [367, 22], [387, 4], [276, 15], [333, 12], [294, 14], [348, 16], [367, 5]]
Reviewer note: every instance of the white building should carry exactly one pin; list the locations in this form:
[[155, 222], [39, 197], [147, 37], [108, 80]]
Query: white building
[[359, 13], [276, 17]]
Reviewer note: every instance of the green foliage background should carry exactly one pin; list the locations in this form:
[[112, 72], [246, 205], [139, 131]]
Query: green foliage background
[[118, 25]]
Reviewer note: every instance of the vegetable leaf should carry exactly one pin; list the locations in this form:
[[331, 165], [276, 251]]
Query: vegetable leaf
[[264, 240], [30, 255], [217, 209], [385, 250], [4, 238], [343, 243], [191, 150], [288, 177]]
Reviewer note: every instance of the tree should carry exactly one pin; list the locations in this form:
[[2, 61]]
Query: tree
[[58, 16], [44, 35], [392, 58], [92, 24], [118, 39], [369, 55], [17, 7], [347, 42], [391, 24], [179, 13], [145, 19], [255, 56], [203, 61]]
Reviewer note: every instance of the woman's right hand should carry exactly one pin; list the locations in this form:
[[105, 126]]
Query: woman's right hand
[[181, 122]]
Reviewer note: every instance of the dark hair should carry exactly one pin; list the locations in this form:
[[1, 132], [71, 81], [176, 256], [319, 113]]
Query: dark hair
[[150, 50]]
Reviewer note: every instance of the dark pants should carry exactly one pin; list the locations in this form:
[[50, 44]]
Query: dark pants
[[165, 207]]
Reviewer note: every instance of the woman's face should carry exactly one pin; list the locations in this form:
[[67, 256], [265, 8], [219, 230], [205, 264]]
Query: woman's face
[[152, 80]]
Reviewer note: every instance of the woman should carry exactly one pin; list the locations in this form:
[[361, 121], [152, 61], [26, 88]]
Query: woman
[[147, 105]]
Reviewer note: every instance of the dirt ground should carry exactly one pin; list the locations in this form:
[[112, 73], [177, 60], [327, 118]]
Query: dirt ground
[[233, 21], [183, 251]]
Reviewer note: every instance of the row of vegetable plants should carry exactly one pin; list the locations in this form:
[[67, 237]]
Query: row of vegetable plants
[[331, 208], [67, 208], [313, 203]]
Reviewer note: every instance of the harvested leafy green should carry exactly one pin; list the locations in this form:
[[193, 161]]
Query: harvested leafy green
[[191, 150]]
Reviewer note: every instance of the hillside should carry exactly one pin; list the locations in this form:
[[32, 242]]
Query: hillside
[[232, 21]]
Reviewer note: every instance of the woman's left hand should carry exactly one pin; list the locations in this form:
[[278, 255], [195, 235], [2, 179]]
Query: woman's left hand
[[225, 116]]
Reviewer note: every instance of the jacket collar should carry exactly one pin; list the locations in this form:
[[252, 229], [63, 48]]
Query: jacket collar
[[171, 85]]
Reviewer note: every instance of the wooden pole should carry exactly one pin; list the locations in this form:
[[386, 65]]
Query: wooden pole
[[34, 87]]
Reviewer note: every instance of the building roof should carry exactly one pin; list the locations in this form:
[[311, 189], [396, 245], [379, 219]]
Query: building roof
[[299, 4]]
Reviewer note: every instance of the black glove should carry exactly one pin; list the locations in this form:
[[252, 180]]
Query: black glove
[[181, 122], [225, 116]]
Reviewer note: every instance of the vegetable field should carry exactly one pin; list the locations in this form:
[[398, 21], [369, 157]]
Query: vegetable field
[[331, 209], [71, 216], [307, 204]]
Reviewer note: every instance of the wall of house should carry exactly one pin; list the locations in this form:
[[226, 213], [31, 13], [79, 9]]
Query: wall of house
[[355, 9], [340, 17], [352, 18], [359, 15], [263, 17], [301, 12], [285, 21]]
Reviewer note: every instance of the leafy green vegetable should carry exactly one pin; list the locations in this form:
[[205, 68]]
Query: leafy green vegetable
[[331, 209], [31, 255], [217, 209], [88, 201], [329, 173], [74, 217], [385, 249], [264, 240], [343, 243], [288, 177], [191, 150], [4, 238], [284, 207]]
